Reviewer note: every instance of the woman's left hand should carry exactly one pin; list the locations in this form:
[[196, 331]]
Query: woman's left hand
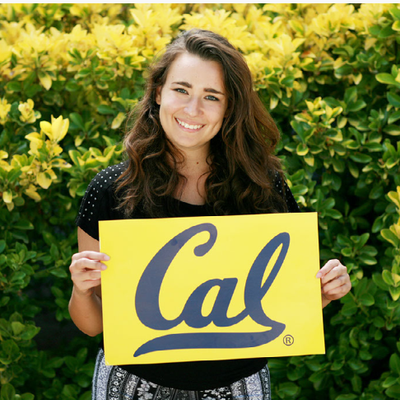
[[335, 281]]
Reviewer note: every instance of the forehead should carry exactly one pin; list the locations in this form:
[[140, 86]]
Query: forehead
[[194, 70]]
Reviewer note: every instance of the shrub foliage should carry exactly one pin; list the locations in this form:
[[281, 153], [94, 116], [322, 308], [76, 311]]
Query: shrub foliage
[[329, 74]]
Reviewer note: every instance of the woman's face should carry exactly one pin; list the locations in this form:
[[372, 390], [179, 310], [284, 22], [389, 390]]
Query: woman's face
[[193, 103]]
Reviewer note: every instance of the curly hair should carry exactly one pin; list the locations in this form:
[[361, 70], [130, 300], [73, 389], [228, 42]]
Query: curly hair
[[241, 160]]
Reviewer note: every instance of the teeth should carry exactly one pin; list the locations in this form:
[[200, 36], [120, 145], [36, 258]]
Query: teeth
[[187, 126]]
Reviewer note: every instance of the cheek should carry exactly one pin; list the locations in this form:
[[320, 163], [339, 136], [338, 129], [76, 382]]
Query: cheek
[[218, 117]]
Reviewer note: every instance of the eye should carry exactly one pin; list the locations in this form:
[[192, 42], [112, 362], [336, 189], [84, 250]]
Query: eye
[[180, 90], [212, 98]]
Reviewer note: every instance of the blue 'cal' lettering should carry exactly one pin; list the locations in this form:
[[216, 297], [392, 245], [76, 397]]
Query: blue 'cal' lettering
[[148, 299]]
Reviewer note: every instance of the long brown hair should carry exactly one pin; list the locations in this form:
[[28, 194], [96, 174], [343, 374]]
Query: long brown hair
[[242, 164]]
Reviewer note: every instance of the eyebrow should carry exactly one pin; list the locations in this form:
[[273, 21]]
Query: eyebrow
[[188, 85]]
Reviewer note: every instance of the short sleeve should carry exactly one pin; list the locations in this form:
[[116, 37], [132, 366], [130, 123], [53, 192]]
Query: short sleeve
[[99, 202], [283, 189]]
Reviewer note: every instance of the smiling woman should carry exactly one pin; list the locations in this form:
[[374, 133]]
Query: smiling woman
[[192, 104], [202, 144]]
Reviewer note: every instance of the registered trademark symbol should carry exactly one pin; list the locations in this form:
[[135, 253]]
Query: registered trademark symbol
[[288, 340]]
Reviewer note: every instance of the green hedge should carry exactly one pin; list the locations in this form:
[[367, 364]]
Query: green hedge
[[328, 74]]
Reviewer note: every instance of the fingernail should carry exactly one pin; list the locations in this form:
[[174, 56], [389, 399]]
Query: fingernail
[[318, 275], [103, 267], [106, 257]]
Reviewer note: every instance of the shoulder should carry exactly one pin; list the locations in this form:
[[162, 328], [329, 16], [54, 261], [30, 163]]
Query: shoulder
[[99, 202], [107, 177], [282, 188]]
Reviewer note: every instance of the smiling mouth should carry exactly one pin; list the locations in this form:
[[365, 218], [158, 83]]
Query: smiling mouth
[[187, 126]]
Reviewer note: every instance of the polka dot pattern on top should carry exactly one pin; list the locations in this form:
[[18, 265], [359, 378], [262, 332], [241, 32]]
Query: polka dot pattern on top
[[100, 202]]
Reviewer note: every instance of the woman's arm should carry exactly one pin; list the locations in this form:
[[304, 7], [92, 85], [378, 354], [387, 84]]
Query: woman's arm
[[85, 303]]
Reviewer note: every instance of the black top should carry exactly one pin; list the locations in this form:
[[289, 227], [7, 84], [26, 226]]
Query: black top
[[99, 203]]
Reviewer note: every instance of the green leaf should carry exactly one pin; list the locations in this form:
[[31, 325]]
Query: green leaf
[[23, 224], [386, 32], [299, 190], [59, 273], [350, 95], [389, 381], [86, 396], [4, 300], [393, 130], [379, 322], [387, 79], [367, 260], [7, 392], [357, 106], [395, 292], [30, 332], [394, 363], [395, 13], [366, 299], [13, 175], [103, 109], [17, 327], [72, 86], [27, 396], [82, 355], [288, 389], [387, 277], [2, 245], [13, 86], [376, 192], [361, 158], [393, 392], [302, 149], [77, 120], [349, 309], [394, 99], [388, 235], [347, 397], [394, 117], [84, 72]]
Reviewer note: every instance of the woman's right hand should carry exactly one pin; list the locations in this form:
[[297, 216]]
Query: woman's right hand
[[85, 268]]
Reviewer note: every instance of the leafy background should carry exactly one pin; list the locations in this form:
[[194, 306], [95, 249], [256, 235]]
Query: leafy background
[[328, 73]]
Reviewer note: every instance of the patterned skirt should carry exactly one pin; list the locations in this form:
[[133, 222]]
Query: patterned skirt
[[114, 383]]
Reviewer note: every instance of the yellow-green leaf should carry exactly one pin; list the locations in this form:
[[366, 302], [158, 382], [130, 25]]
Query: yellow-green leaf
[[43, 180], [395, 197], [396, 26], [302, 149], [47, 129], [32, 193], [7, 196], [118, 120], [309, 159], [45, 80], [60, 127]]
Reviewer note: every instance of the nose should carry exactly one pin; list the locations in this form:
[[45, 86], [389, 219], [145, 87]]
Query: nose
[[193, 107]]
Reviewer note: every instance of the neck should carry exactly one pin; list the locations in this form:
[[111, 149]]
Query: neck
[[194, 164], [195, 169]]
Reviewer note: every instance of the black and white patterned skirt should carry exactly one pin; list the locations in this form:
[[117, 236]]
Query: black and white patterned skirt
[[114, 383]]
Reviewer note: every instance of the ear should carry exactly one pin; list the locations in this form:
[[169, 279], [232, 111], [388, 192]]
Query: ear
[[158, 95]]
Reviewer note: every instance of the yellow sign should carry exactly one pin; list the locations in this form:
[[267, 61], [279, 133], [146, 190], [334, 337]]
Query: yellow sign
[[211, 288]]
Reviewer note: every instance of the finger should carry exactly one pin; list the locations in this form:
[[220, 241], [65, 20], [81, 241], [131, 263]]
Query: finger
[[338, 292], [85, 286], [334, 274], [329, 266], [88, 275], [84, 281], [335, 285], [93, 255], [83, 264]]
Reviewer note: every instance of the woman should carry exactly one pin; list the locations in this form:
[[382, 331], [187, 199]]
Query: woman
[[202, 144]]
